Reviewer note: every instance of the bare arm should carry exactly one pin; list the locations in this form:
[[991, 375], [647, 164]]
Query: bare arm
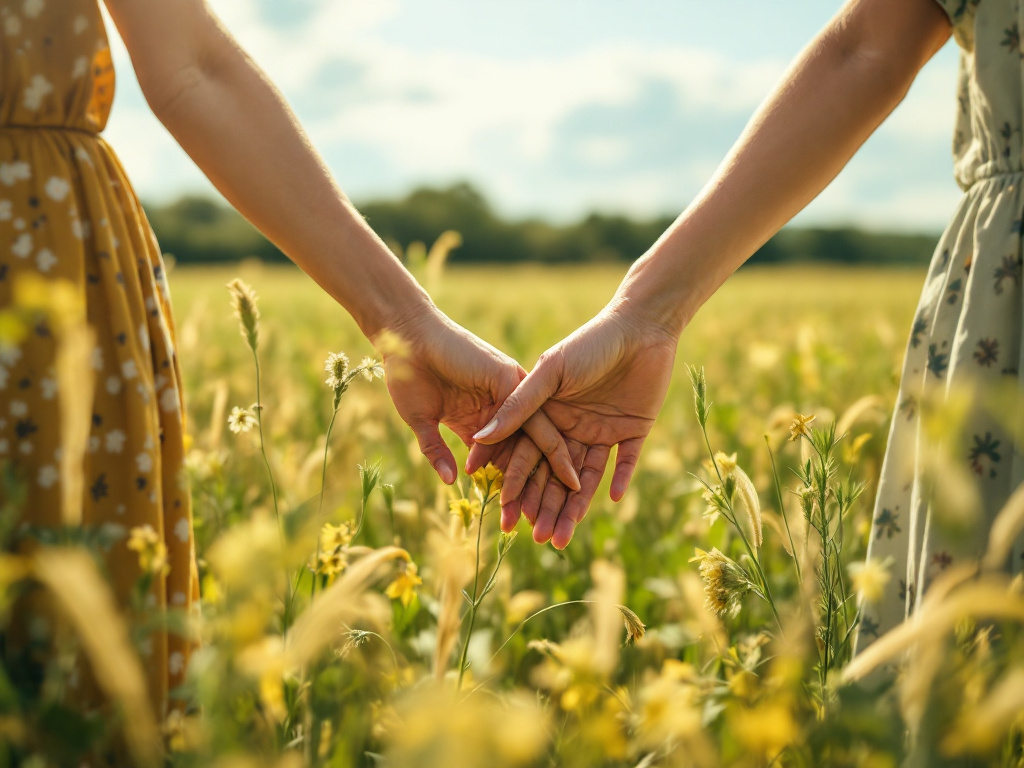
[[604, 384], [836, 93], [236, 126], [239, 130]]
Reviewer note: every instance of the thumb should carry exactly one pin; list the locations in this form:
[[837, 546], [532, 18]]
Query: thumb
[[533, 391], [436, 451]]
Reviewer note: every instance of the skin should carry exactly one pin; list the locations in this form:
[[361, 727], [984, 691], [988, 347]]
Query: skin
[[604, 385], [209, 93]]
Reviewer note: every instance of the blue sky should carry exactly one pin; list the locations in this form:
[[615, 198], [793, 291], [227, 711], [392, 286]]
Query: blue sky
[[553, 108]]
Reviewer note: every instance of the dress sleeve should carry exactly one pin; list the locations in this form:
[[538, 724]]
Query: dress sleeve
[[955, 9]]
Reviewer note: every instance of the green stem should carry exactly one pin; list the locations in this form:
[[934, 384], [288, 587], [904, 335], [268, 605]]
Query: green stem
[[263, 448], [320, 505], [474, 604], [782, 510]]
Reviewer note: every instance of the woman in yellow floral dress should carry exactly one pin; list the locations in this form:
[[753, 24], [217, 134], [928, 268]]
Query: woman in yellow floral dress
[[68, 213]]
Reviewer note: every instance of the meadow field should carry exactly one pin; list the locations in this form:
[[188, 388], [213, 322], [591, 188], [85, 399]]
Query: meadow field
[[703, 621]]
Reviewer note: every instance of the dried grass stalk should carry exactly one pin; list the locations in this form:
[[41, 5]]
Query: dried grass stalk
[[82, 595]]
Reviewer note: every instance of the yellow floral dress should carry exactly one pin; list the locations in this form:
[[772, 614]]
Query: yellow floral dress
[[68, 213]]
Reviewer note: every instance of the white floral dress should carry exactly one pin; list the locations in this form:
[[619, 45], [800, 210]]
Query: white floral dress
[[68, 213], [967, 333]]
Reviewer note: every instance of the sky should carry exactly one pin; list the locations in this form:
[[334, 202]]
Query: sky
[[553, 108]]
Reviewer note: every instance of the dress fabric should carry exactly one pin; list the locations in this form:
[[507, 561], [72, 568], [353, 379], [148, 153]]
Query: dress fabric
[[967, 332], [68, 213]]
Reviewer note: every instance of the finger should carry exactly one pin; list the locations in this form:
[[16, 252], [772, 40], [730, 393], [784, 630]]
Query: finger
[[525, 457], [435, 450], [554, 498], [626, 457], [578, 503], [551, 443], [532, 392], [510, 514], [481, 455], [534, 491], [551, 504]]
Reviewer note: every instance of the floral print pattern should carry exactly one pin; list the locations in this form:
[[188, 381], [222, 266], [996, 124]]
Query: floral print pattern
[[967, 333], [68, 213]]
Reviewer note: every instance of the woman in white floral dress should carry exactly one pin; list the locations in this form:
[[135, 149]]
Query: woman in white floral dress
[[605, 384]]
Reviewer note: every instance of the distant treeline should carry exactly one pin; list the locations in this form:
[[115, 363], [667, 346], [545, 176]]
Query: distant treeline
[[201, 230]]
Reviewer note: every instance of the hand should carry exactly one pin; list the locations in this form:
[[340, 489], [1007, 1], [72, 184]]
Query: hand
[[601, 387], [440, 373]]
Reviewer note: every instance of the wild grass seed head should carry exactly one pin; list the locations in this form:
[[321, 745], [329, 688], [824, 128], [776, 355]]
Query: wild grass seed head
[[243, 301]]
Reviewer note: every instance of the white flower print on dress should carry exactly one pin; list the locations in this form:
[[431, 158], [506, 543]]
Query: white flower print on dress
[[9, 354], [33, 8], [12, 25], [144, 337], [178, 598], [45, 260], [80, 229], [115, 441], [19, 409], [48, 475], [4, 445], [5, 210], [22, 247], [19, 224], [97, 359], [128, 369], [94, 443], [176, 663], [80, 68], [57, 188], [144, 462], [25, 447], [181, 530], [113, 385], [11, 173], [4, 375], [38, 89], [169, 400], [80, 25], [49, 387]]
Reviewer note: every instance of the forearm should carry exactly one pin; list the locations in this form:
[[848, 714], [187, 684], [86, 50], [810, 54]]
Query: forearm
[[832, 98], [240, 132]]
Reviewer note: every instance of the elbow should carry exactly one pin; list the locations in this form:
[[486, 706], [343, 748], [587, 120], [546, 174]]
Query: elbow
[[165, 92], [883, 59]]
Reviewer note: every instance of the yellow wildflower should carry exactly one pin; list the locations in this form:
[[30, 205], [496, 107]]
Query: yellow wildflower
[[870, 578], [726, 463], [800, 426], [332, 563], [404, 586], [152, 550], [334, 536], [488, 480], [465, 509]]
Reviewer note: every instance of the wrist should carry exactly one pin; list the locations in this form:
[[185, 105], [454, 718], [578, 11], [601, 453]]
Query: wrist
[[652, 300]]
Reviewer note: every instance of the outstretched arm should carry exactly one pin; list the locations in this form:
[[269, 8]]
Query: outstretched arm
[[236, 126], [837, 92]]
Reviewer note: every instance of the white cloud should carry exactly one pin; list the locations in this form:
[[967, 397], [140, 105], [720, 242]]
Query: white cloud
[[617, 125]]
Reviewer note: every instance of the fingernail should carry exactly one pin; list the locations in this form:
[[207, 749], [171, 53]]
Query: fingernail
[[444, 469], [487, 431], [576, 480]]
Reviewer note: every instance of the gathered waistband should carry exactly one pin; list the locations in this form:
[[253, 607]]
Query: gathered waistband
[[41, 127]]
